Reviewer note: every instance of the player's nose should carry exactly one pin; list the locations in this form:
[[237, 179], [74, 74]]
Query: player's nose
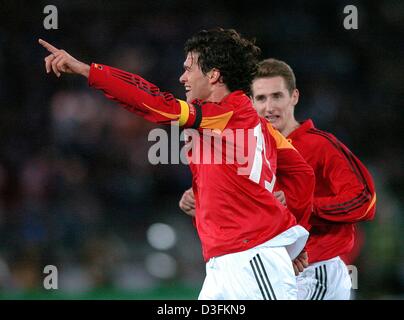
[[182, 78], [269, 106]]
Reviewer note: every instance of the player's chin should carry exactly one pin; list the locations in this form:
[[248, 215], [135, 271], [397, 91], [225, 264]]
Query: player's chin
[[274, 122], [188, 97]]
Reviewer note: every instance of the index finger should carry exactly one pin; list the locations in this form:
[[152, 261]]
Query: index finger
[[48, 46]]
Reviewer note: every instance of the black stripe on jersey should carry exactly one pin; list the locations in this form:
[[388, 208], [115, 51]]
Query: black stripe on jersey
[[121, 73], [320, 281], [338, 146], [317, 283], [262, 279], [366, 194], [333, 206], [355, 205], [363, 196], [125, 79], [266, 277], [325, 282], [348, 155], [137, 84], [130, 79], [321, 285], [198, 115], [257, 279]]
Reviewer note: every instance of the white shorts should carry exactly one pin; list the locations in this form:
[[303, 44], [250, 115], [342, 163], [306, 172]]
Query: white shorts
[[260, 273], [325, 280]]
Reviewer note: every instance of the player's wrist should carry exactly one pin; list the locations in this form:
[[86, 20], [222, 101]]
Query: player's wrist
[[84, 70]]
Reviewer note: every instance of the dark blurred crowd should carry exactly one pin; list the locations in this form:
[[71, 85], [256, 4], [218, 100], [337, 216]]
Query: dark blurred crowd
[[76, 188]]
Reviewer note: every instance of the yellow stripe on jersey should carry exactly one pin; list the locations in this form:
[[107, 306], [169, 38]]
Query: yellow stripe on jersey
[[216, 122], [165, 114], [281, 141], [184, 112], [371, 203]]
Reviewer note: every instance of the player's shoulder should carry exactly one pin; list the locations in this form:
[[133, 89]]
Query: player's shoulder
[[321, 137], [234, 111], [280, 141], [309, 139]]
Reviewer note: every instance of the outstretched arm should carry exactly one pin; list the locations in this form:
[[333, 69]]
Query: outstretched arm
[[133, 92], [138, 95], [59, 61]]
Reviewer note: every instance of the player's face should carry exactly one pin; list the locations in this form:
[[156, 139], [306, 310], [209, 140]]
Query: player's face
[[195, 82], [273, 101]]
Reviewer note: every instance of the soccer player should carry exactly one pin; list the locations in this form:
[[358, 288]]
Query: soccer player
[[248, 237], [344, 192]]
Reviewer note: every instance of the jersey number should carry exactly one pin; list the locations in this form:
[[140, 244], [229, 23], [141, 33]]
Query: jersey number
[[261, 160]]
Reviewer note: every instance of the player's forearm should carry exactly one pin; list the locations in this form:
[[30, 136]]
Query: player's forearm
[[356, 207]]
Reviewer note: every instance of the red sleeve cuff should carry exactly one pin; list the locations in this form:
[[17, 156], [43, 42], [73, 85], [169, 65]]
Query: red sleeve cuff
[[98, 72]]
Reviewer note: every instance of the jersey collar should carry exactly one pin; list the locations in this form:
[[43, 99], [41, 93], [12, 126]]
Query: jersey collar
[[304, 126]]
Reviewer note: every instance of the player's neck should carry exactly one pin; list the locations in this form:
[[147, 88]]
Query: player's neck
[[218, 94], [290, 127]]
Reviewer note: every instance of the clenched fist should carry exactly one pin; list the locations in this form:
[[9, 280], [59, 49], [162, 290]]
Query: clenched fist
[[187, 202]]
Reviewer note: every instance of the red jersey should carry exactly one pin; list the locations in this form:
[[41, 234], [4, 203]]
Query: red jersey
[[344, 192], [234, 211]]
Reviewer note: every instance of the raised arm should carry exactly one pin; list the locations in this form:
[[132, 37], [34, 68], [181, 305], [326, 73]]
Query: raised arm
[[135, 93]]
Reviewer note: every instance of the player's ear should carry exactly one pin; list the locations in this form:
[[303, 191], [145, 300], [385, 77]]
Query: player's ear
[[295, 97], [251, 96], [214, 76]]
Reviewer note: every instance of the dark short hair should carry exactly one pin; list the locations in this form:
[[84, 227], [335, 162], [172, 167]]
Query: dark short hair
[[227, 51], [271, 68]]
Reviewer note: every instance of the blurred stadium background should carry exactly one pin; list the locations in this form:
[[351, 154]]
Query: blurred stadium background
[[76, 188]]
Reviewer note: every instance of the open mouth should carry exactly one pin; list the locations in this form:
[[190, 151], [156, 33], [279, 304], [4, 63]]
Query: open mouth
[[272, 118]]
